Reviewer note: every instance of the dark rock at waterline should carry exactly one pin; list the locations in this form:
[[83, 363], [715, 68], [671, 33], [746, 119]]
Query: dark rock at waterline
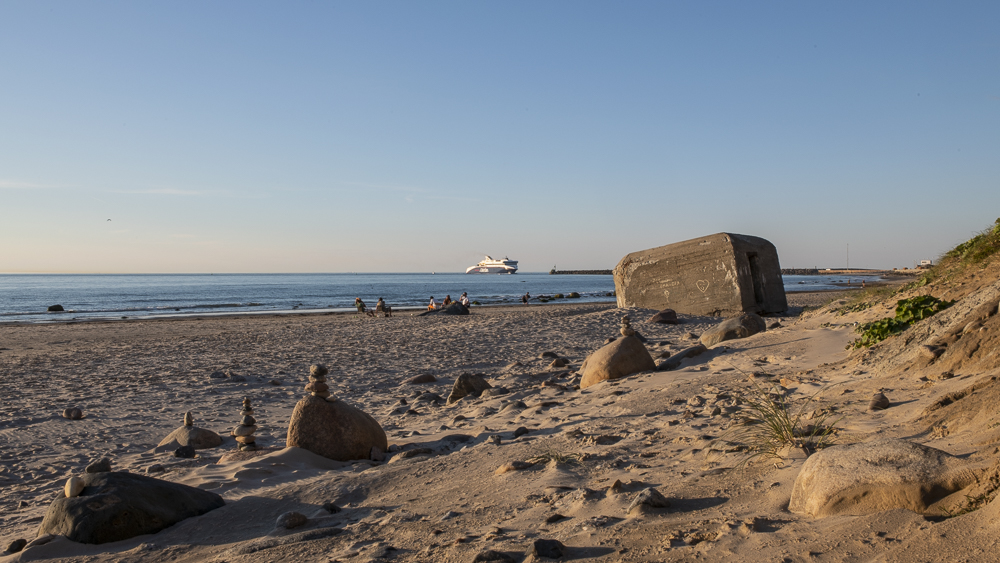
[[117, 506], [455, 308], [55, 308]]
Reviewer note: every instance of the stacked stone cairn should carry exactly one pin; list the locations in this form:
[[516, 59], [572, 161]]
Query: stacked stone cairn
[[626, 329], [317, 382], [247, 426]]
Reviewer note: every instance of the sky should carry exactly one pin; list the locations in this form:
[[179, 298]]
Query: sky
[[145, 137]]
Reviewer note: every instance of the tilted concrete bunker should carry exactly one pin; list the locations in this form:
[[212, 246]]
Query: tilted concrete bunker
[[720, 275]]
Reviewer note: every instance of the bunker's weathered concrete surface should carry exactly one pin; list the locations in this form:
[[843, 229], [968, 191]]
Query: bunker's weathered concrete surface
[[720, 275]]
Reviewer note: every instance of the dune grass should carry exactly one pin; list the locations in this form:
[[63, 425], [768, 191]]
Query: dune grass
[[768, 425]]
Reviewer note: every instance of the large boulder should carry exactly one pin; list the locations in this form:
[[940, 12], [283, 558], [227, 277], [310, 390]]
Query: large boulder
[[719, 275], [664, 317], [117, 506], [334, 430], [620, 358], [740, 326], [467, 384], [876, 476], [197, 438]]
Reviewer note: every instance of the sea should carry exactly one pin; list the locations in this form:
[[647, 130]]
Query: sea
[[25, 298]]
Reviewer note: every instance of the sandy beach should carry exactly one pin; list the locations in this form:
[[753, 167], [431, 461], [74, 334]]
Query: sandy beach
[[598, 447]]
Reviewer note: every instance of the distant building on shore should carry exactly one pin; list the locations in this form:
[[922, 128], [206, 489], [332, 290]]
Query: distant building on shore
[[719, 275]]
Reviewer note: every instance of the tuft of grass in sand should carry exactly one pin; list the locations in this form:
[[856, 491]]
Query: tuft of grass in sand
[[560, 458], [972, 503], [768, 426]]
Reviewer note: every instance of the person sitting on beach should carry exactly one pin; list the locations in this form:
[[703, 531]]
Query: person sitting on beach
[[433, 304], [447, 300], [381, 307], [360, 305], [464, 299]]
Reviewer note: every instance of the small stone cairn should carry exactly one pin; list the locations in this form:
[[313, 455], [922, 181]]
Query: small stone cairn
[[247, 426], [627, 329], [317, 382]]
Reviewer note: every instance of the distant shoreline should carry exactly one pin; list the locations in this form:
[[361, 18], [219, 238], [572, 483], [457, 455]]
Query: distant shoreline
[[848, 272], [553, 272]]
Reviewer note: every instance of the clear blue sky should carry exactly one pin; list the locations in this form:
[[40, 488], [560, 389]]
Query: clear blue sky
[[418, 136]]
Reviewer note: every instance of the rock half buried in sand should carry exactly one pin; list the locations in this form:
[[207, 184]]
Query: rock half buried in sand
[[102, 465], [675, 361], [492, 556], [73, 413], [118, 506], [189, 435], [648, 498], [549, 549], [16, 545], [876, 476], [467, 384], [334, 430], [622, 357], [420, 379], [664, 317], [740, 326], [879, 402]]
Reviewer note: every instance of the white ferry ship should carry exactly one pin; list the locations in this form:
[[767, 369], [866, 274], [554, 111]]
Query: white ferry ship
[[491, 266]]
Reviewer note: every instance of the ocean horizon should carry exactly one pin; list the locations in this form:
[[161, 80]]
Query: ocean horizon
[[26, 297]]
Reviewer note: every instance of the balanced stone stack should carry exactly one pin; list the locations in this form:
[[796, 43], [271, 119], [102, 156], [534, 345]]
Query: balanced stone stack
[[317, 382], [332, 428], [247, 426], [189, 435], [619, 358], [626, 329]]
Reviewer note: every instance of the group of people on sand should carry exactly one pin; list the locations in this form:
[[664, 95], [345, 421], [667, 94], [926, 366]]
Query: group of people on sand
[[386, 311], [380, 307], [463, 299]]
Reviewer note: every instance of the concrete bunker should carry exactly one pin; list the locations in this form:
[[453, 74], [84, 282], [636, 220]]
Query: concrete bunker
[[719, 275]]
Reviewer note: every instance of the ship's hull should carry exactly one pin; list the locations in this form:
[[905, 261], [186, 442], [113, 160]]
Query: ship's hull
[[490, 270]]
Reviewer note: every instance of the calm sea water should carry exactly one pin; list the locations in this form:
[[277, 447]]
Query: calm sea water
[[25, 298]]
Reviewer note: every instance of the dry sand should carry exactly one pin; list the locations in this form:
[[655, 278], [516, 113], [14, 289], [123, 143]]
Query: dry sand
[[135, 379]]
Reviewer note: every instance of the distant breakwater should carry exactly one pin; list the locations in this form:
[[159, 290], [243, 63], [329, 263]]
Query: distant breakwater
[[553, 271], [845, 272]]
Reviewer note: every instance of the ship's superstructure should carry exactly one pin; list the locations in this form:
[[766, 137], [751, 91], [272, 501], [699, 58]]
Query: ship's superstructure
[[491, 266]]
